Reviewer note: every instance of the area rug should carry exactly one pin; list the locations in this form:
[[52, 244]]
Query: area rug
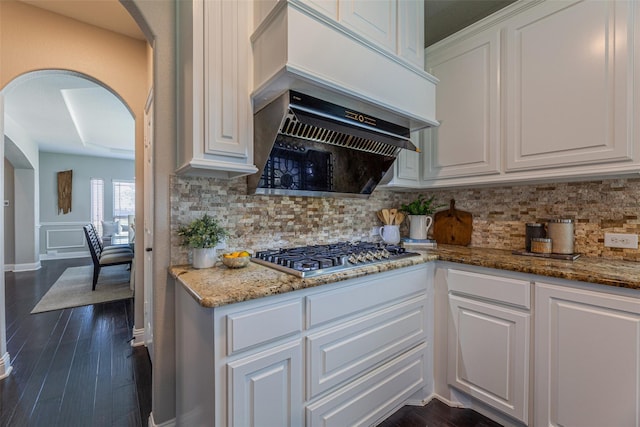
[[73, 288]]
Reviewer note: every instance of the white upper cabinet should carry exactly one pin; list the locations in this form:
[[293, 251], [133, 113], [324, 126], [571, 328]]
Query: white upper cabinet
[[215, 116], [467, 142], [411, 31], [396, 26], [375, 20], [406, 172], [569, 84], [537, 91]]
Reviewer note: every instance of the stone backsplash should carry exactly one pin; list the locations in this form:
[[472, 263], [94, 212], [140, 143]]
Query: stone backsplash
[[500, 213]]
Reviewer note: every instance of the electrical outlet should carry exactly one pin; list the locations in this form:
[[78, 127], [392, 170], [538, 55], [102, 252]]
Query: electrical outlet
[[619, 240]]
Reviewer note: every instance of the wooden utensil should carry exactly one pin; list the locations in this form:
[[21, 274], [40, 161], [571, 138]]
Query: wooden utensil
[[380, 217], [392, 215], [452, 227], [385, 215], [399, 218]]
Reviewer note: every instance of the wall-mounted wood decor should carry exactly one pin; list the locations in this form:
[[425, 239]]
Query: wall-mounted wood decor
[[64, 191]]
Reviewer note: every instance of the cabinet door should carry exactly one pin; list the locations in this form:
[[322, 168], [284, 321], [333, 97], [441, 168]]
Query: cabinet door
[[266, 389], [467, 142], [228, 119], [327, 7], [411, 31], [569, 84], [489, 354], [586, 362], [374, 20], [406, 169]]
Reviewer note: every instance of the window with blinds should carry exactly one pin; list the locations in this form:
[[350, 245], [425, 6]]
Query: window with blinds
[[97, 203], [124, 200]]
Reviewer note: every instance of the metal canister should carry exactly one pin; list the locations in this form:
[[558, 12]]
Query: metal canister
[[560, 231], [533, 230], [541, 245]]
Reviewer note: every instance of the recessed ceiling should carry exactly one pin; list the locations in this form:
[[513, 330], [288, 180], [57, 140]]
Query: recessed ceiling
[[65, 113]]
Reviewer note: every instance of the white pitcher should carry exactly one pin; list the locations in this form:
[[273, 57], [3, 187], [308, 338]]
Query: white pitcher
[[390, 234], [419, 226]]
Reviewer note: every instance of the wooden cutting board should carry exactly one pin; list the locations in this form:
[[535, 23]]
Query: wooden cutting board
[[452, 227]]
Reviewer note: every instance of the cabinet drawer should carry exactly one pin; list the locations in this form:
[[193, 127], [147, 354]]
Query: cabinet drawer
[[502, 289], [261, 325], [351, 349], [385, 288], [364, 402]]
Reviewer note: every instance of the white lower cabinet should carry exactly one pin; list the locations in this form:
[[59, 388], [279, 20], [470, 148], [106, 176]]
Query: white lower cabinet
[[367, 400], [488, 341], [265, 389], [587, 352], [344, 354]]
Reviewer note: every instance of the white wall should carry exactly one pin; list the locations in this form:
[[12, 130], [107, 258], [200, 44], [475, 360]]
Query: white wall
[[62, 233], [9, 222]]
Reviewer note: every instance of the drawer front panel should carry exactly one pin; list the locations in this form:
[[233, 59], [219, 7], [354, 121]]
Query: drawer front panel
[[365, 401], [510, 291], [333, 305], [346, 351], [254, 327]]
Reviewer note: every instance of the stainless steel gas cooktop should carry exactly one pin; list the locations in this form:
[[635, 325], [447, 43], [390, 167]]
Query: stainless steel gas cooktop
[[307, 261]]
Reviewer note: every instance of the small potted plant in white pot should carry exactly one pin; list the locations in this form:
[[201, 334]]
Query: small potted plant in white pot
[[202, 235], [419, 212]]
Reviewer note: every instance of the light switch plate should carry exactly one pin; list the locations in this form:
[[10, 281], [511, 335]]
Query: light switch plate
[[620, 240]]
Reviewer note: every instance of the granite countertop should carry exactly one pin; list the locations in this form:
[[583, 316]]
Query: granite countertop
[[219, 285], [624, 274]]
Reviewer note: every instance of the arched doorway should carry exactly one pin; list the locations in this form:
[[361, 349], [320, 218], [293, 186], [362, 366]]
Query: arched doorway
[[66, 121], [37, 39]]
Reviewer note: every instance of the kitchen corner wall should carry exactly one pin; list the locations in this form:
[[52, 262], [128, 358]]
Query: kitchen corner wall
[[500, 213]]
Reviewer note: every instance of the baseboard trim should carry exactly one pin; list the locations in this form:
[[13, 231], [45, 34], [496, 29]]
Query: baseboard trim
[[5, 366], [64, 255], [170, 423], [447, 402], [27, 267], [420, 402], [138, 337]]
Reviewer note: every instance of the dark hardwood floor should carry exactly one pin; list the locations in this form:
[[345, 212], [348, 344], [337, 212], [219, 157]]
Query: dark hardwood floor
[[72, 367], [437, 414]]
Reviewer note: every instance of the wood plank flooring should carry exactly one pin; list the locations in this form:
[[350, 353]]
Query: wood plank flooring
[[72, 367], [437, 414]]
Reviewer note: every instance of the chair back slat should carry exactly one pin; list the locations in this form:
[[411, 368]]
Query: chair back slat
[[95, 233], [93, 242]]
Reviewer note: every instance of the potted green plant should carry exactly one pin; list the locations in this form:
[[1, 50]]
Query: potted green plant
[[419, 212], [202, 235]]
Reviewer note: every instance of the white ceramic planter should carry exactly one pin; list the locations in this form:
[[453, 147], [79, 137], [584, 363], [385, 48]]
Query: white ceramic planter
[[419, 226], [204, 257]]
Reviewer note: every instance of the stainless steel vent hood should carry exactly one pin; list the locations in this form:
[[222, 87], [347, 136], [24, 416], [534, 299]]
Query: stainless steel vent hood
[[332, 108], [310, 147]]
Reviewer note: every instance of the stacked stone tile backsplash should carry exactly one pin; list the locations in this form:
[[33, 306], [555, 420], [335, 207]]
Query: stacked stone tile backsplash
[[500, 213]]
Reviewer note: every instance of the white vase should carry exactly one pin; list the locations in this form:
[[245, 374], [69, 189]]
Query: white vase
[[204, 257], [419, 226], [390, 234]]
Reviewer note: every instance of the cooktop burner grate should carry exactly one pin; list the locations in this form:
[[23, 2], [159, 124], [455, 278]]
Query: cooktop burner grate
[[307, 261]]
